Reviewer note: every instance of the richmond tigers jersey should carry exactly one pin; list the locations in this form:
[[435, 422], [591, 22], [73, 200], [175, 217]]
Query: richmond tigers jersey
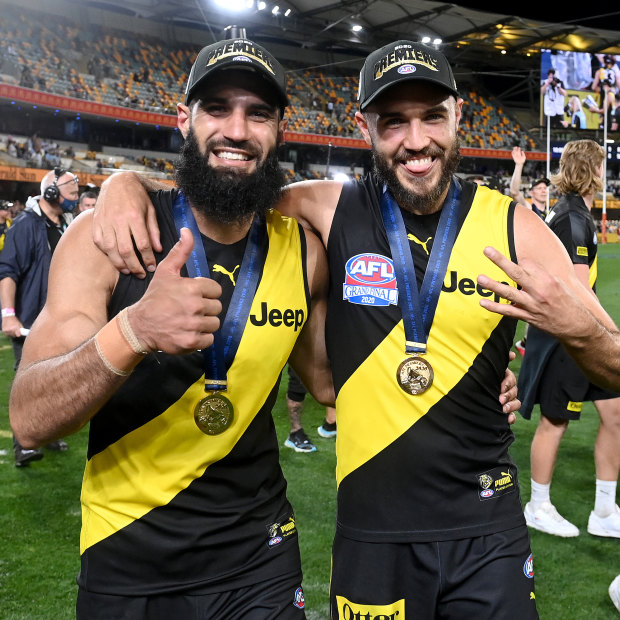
[[167, 508], [571, 220], [434, 466]]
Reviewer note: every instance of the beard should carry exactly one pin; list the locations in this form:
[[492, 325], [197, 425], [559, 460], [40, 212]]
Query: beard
[[424, 200], [228, 196]]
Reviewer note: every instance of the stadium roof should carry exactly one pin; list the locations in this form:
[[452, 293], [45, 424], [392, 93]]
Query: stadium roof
[[326, 24]]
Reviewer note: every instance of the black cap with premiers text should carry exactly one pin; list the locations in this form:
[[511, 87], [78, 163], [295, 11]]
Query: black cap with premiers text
[[536, 182], [237, 54], [400, 61]]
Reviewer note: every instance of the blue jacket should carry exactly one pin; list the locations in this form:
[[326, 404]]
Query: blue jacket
[[26, 259]]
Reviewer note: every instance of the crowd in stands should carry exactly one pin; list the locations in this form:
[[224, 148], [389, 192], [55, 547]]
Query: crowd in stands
[[36, 152], [52, 55]]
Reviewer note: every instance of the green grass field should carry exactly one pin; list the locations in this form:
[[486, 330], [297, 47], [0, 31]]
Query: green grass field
[[40, 511]]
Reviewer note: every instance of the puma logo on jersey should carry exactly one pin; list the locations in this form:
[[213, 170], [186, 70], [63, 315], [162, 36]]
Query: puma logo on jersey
[[276, 317], [424, 244], [230, 274]]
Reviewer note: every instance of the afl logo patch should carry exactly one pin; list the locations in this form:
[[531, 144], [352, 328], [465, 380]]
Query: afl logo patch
[[487, 493], [276, 540], [528, 567], [370, 280], [299, 600], [406, 69]]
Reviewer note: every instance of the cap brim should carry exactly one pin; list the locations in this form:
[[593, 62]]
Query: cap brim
[[385, 87], [282, 97]]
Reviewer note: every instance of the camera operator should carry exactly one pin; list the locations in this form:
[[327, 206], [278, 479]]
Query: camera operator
[[553, 92]]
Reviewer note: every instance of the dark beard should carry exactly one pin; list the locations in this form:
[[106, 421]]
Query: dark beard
[[228, 197], [419, 202]]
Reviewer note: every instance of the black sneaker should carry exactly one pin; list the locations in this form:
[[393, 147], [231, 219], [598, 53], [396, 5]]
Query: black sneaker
[[299, 442], [23, 456], [327, 430], [58, 446]]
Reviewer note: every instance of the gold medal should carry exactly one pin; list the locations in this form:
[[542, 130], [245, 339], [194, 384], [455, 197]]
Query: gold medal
[[415, 375], [214, 414]]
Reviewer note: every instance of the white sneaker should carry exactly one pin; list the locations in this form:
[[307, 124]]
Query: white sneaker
[[547, 519], [605, 526], [614, 592]]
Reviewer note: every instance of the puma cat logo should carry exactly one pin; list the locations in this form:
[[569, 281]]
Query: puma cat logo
[[230, 274], [422, 243]]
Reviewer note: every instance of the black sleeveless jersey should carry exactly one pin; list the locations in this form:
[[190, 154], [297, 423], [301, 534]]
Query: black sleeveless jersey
[[167, 508], [432, 466]]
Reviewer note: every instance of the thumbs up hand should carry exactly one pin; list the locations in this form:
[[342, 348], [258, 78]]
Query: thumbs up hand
[[176, 314]]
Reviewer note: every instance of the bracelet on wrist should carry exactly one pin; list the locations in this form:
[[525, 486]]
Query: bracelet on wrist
[[8, 312], [129, 334]]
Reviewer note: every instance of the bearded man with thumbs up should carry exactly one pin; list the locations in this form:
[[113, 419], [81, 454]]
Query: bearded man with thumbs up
[[184, 507]]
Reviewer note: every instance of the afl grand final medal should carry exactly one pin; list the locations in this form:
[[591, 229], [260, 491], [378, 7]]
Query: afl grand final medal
[[214, 414], [415, 375]]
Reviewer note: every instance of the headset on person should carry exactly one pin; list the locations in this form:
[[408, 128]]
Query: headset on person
[[52, 193]]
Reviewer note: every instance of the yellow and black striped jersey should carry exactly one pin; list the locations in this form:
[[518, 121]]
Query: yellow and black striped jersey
[[167, 508], [432, 466]]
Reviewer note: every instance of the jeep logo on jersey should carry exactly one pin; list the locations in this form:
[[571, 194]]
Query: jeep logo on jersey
[[468, 286], [370, 280], [276, 318]]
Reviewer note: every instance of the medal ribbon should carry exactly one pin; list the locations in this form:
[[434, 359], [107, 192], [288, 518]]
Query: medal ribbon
[[418, 307], [219, 356]]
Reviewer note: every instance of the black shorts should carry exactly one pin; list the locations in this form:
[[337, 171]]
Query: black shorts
[[281, 599], [296, 389], [483, 578], [563, 388]]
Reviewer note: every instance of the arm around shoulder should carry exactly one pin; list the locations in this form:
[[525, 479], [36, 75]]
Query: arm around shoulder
[[312, 204], [124, 216]]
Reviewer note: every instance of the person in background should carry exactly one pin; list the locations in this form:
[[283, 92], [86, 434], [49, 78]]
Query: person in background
[[295, 396], [539, 188], [24, 270], [549, 377], [539, 198], [577, 115], [553, 92], [88, 199]]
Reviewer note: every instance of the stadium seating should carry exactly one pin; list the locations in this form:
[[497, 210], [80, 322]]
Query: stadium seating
[[105, 66]]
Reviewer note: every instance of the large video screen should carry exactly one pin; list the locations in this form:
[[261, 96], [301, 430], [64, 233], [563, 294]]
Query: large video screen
[[573, 87]]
